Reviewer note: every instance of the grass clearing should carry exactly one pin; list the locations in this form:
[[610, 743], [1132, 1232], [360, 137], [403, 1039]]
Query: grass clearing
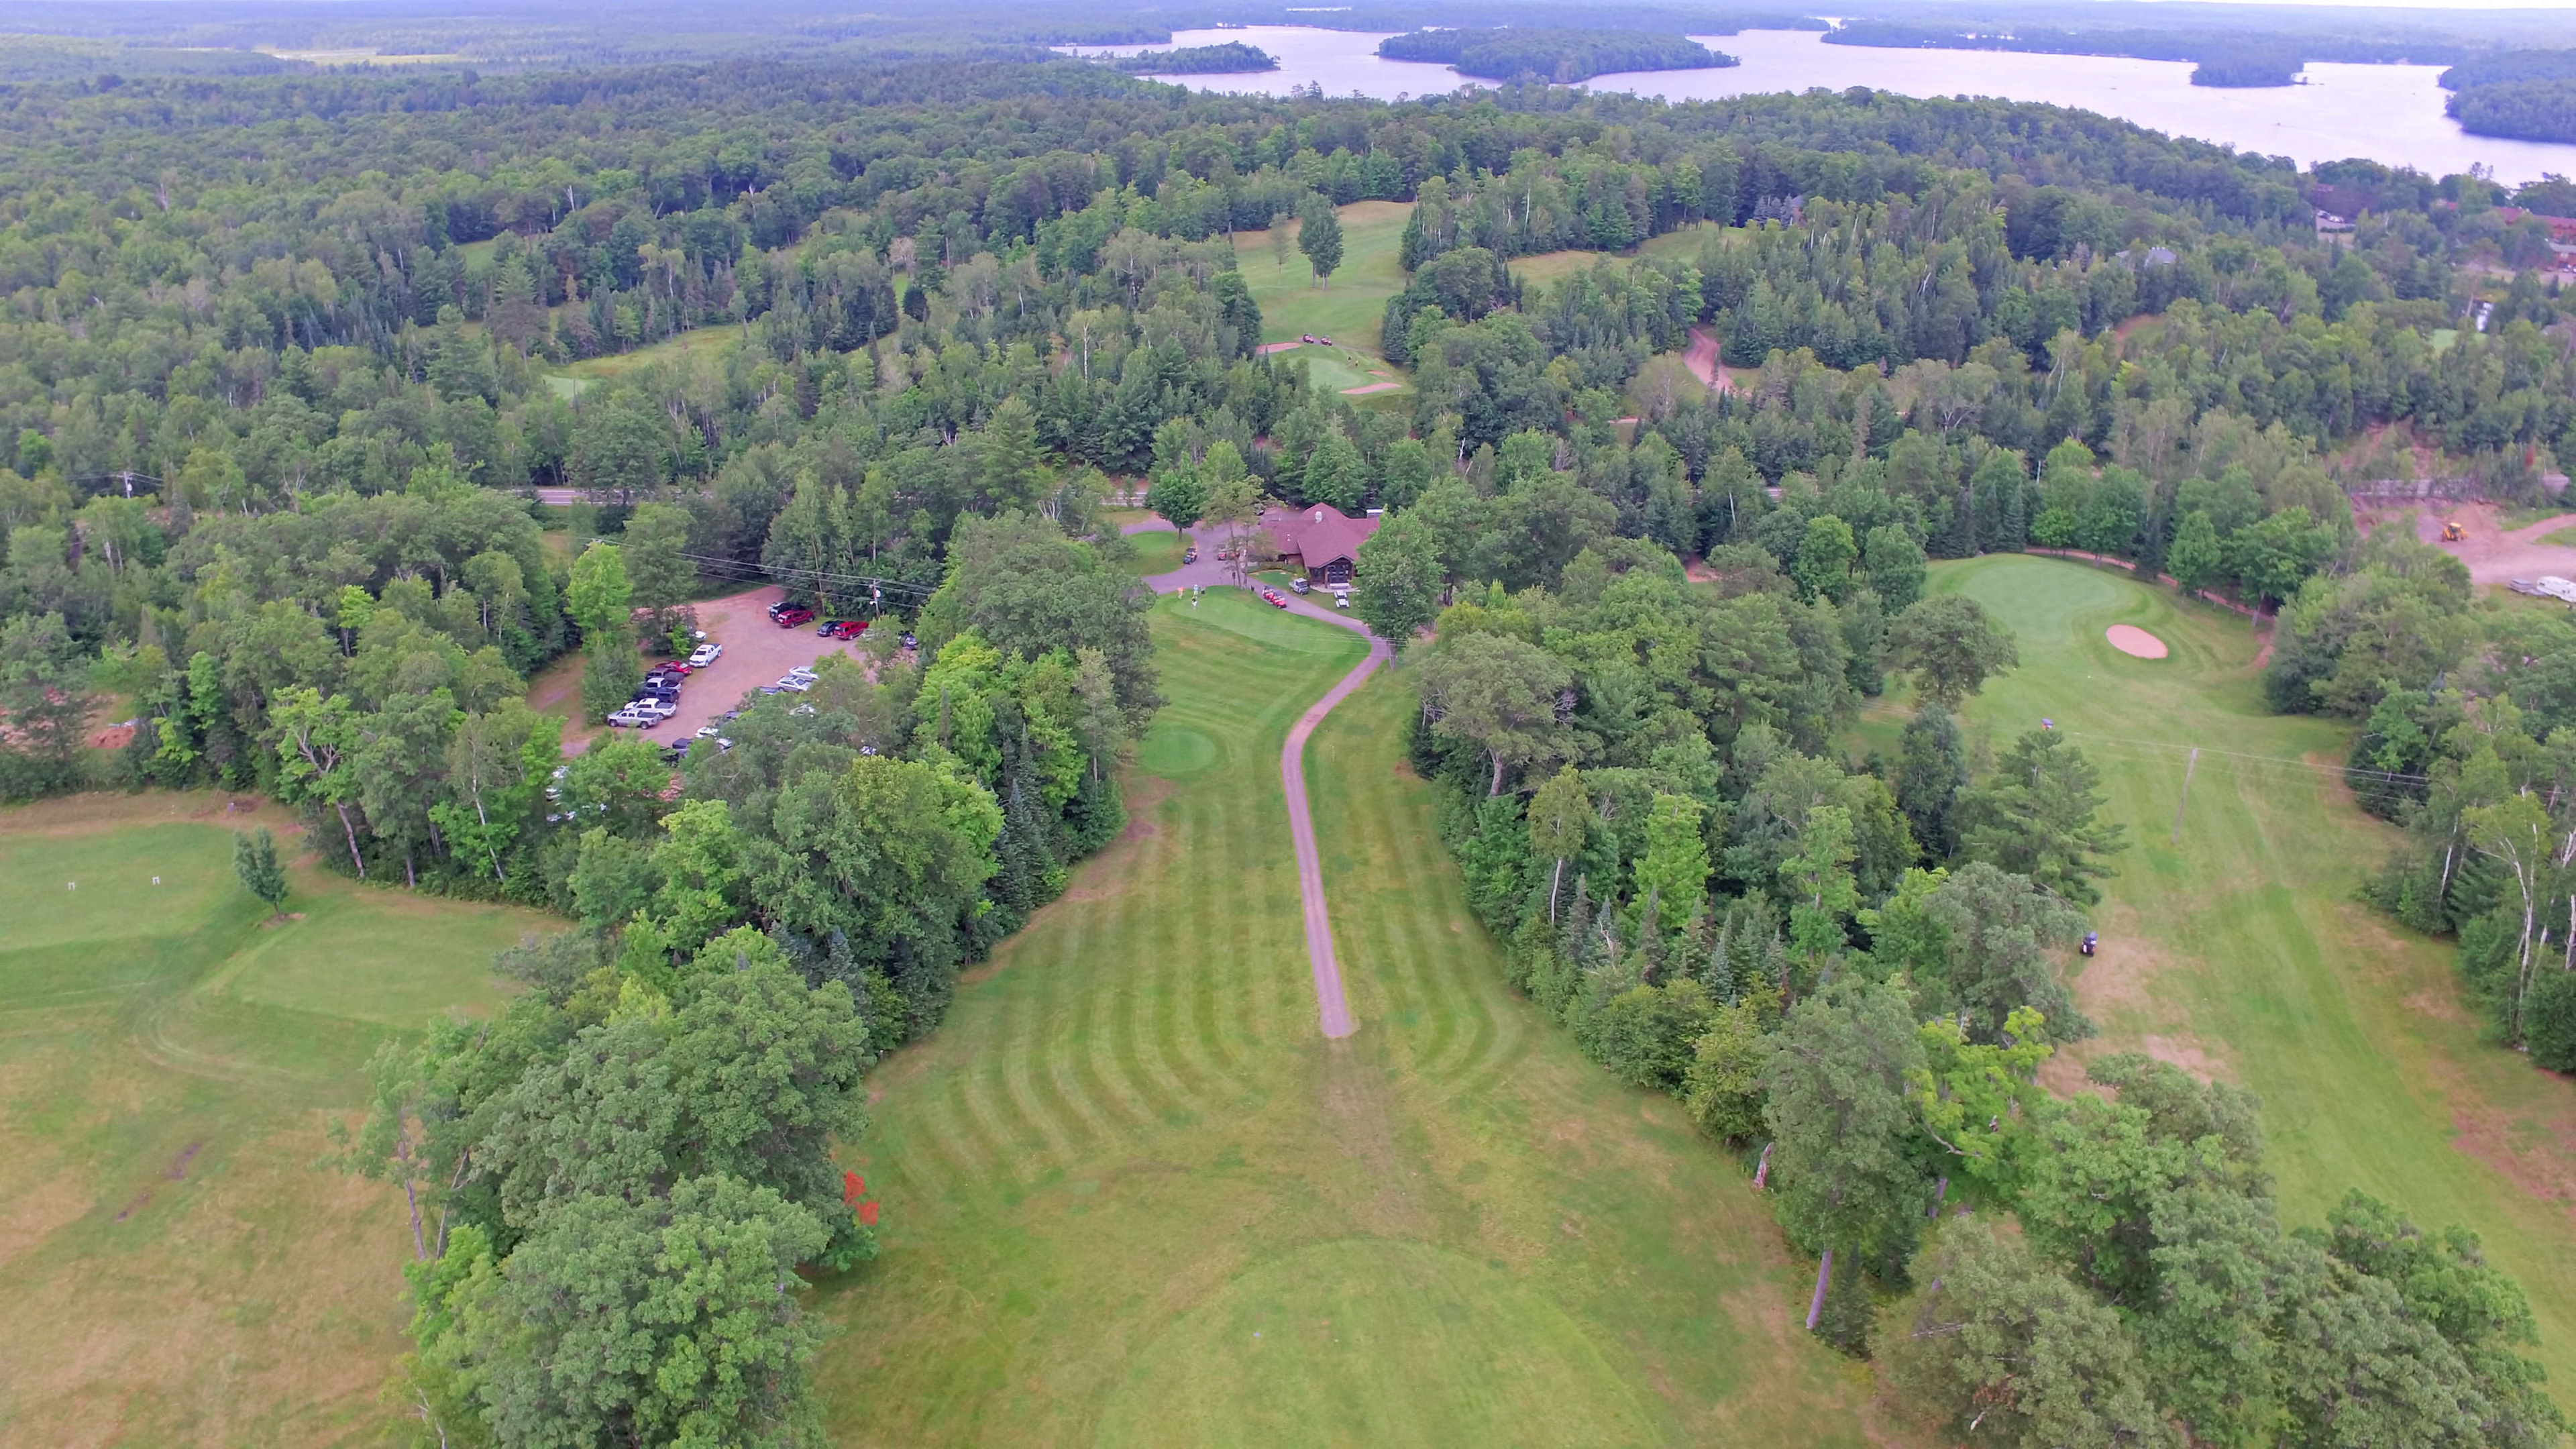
[[2562, 538], [1129, 1150], [713, 343], [2242, 952], [1352, 309], [174, 1267]]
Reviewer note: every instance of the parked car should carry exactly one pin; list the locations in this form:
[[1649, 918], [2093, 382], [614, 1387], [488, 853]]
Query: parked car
[[842, 628], [633, 717], [1299, 585], [708, 732], [1341, 598], [704, 655], [910, 642], [1190, 555], [781, 607], [795, 618], [660, 709], [1276, 599]]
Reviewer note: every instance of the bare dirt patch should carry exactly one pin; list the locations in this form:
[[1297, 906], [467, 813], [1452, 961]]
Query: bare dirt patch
[[2493, 553], [2135, 642], [2534, 1153]]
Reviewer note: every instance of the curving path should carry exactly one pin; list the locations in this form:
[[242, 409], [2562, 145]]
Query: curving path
[[1332, 1006]]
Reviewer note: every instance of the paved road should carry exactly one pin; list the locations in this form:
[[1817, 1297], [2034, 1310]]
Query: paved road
[[1333, 1007]]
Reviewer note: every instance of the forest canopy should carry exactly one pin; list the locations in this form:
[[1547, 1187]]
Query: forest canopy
[[285, 361]]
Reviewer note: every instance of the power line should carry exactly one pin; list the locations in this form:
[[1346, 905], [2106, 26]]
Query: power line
[[742, 569], [2334, 770]]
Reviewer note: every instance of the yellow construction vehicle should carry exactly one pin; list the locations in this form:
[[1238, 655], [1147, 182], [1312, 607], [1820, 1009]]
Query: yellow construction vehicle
[[2452, 532]]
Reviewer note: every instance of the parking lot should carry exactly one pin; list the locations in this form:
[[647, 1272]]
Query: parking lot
[[756, 652]]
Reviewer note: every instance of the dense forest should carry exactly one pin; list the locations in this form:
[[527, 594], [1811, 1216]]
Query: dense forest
[[1559, 55], [280, 368], [2223, 51]]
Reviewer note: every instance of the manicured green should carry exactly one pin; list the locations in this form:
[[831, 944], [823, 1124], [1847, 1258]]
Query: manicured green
[[1129, 1149], [175, 1267], [2243, 952]]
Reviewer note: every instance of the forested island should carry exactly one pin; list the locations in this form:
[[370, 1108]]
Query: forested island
[[369, 437], [1559, 56], [2529, 95], [1229, 58]]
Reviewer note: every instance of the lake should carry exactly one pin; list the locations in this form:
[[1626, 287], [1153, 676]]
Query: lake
[[2389, 113]]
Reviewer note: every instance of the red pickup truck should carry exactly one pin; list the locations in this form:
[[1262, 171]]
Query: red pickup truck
[[795, 617]]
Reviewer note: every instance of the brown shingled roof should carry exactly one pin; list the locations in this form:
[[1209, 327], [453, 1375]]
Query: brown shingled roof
[[1316, 534]]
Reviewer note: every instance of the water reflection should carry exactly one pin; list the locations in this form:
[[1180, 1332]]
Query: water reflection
[[2390, 113]]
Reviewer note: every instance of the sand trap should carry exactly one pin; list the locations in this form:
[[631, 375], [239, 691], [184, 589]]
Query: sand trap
[[2131, 640]]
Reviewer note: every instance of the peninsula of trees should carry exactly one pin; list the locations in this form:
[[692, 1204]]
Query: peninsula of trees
[[1230, 57]]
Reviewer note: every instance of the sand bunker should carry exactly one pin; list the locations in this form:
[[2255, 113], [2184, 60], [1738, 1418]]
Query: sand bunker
[[2132, 640]]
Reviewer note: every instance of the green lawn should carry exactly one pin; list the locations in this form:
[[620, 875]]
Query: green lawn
[[174, 1267], [2563, 538], [2242, 952], [1153, 552], [1134, 1197], [1352, 308]]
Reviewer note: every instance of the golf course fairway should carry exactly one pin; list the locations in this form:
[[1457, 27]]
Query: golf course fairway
[[1134, 1197], [2239, 948]]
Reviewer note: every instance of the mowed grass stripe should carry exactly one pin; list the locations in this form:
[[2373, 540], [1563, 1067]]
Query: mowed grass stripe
[[1418, 1262]]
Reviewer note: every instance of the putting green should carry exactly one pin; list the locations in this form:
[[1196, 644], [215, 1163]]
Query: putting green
[[1369, 1342], [1178, 751]]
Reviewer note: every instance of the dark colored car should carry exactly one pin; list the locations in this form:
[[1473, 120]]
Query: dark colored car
[[794, 618], [1190, 555], [781, 607]]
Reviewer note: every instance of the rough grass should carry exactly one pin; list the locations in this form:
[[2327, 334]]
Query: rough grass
[[2242, 952], [1134, 1197], [715, 343], [174, 1269]]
